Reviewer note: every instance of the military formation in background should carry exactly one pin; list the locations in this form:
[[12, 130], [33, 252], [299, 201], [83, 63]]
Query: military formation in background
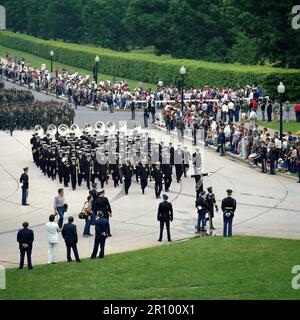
[[19, 111]]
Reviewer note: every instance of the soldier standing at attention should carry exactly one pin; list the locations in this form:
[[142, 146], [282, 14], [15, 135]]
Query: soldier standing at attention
[[24, 181], [228, 207], [164, 216]]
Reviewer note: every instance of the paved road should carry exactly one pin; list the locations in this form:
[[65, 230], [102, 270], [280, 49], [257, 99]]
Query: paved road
[[267, 205]]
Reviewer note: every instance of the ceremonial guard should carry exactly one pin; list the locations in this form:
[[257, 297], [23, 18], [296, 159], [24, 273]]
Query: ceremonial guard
[[211, 205], [24, 181], [73, 172], [228, 207], [202, 208]]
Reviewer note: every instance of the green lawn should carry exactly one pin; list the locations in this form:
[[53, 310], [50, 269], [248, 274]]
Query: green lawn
[[37, 61], [241, 267], [292, 125]]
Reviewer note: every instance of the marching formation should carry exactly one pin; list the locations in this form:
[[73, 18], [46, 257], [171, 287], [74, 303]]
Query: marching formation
[[78, 158]]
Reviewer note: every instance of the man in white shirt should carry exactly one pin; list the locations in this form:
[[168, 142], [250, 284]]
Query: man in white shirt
[[52, 238], [224, 110], [252, 118]]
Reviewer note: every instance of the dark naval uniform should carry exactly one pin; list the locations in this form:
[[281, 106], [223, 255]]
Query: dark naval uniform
[[228, 207], [157, 175], [164, 216]]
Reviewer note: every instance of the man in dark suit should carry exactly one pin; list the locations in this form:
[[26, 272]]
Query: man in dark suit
[[102, 205], [165, 215], [101, 233], [25, 239], [69, 233], [24, 180]]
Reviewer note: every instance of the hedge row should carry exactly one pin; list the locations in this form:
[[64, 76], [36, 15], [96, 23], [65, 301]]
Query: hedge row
[[149, 68]]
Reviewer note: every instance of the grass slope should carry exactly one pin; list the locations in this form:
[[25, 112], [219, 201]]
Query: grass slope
[[36, 62], [292, 125], [208, 268]]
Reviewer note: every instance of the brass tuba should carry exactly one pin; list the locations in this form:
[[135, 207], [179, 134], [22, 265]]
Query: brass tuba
[[100, 127], [87, 128], [74, 128], [110, 126], [63, 130], [52, 129], [39, 130]]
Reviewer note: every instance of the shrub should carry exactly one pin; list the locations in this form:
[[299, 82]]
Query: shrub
[[151, 68]]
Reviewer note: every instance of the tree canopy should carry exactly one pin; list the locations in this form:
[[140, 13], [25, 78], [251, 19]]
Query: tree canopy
[[244, 31]]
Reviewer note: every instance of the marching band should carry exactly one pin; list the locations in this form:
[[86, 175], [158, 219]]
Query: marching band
[[82, 156]]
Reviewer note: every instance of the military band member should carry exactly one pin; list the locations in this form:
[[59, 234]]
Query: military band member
[[167, 175], [228, 207], [143, 174], [186, 161], [127, 174], [73, 173], [66, 172], [53, 163], [178, 159], [157, 175]]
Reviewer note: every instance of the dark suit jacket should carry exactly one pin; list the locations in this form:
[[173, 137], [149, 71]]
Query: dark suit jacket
[[101, 227], [25, 236], [69, 233], [165, 211], [102, 204]]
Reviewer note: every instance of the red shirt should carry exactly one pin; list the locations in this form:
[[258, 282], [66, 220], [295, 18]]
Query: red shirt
[[297, 107]]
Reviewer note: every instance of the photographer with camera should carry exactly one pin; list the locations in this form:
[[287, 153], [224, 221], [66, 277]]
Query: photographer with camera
[[228, 207]]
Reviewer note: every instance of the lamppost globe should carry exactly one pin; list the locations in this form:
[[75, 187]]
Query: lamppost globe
[[182, 70], [160, 83], [281, 88], [51, 53], [97, 59]]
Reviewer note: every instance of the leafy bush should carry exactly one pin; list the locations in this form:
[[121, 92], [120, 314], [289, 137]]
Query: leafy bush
[[150, 68]]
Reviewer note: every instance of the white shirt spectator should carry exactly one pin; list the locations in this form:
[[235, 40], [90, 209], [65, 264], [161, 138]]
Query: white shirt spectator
[[52, 229]]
